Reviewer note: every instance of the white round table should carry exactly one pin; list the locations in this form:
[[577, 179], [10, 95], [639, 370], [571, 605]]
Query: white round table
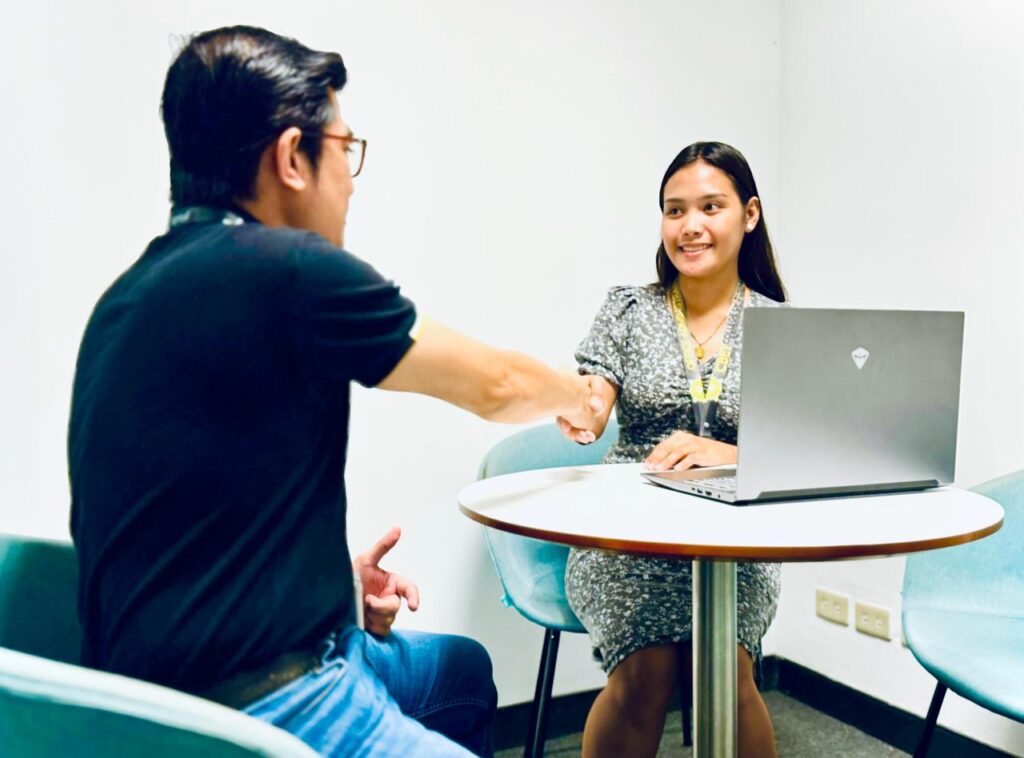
[[611, 507]]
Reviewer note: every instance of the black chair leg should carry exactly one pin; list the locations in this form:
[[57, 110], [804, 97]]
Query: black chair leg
[[537, 730], [687, 713], [930, 721], [686, 698]]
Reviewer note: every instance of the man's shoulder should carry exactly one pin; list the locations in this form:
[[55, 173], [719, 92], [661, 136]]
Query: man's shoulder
[[214, 265], [299, 249], [214, 260], [280, 237], [277, 243], [243, 250]]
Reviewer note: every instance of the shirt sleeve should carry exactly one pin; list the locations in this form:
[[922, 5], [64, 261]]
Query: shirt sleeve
[[351, 322], [601, 351]]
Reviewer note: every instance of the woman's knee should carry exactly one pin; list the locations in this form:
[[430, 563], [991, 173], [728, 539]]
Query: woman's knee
[[649, 675]]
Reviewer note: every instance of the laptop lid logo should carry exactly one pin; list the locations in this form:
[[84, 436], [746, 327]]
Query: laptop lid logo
[[860, 357]]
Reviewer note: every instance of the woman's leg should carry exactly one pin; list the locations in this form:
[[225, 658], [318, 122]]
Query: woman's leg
[[756, 736], [628, 717]]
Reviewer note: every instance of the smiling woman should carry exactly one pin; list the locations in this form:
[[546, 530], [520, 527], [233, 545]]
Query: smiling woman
[[667, 356], [725, 173], [703, 222]]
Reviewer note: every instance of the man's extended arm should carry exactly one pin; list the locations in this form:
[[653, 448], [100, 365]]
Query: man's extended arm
[[498, 385]]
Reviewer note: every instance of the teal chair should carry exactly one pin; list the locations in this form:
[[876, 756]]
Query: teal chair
[[963, 614], [532, 572], [50, 706]]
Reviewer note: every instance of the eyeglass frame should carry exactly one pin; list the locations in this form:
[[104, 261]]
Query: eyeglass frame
[[350, 139]]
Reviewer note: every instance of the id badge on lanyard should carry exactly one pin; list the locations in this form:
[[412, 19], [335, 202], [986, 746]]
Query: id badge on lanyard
[[703, 397]]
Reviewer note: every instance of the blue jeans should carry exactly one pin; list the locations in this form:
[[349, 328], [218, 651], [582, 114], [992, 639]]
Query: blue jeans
[[408, 694]]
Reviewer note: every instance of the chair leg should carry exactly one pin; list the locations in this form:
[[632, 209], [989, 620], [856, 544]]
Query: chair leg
[[687, 713], [686, 700], [537, 729], [930, 720]]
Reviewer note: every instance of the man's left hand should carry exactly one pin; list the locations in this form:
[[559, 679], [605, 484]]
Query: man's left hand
[[382, 590]]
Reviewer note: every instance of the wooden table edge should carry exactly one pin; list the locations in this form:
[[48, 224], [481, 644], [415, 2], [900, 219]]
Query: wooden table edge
[[736, 552]]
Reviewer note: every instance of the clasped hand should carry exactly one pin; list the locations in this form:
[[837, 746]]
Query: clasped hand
[[682, 450], [588, 424], [382, 590]]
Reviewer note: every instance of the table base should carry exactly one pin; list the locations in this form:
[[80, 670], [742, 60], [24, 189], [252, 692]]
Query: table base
[[714, 659]]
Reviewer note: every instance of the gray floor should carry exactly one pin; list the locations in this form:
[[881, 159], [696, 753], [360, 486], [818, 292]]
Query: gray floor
[[800, 732]]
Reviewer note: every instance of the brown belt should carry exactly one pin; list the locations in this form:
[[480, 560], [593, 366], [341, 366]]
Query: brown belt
[[249, 686]]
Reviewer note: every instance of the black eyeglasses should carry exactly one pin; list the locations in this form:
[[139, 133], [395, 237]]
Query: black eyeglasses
[[355, 148]]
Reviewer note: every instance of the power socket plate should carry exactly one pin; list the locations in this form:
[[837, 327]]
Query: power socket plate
[[872, 619], [832, 606]]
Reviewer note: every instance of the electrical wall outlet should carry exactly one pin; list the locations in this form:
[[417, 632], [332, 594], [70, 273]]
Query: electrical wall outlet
[[872, 619], [832, 606]]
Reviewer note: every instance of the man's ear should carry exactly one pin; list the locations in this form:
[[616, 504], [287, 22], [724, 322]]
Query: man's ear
[[291, 167]]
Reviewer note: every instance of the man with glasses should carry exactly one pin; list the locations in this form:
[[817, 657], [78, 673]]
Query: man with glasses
[[209, 423]]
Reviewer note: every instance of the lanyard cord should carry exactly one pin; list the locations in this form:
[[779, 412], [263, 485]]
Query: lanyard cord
[[704, 398], [203, 214]]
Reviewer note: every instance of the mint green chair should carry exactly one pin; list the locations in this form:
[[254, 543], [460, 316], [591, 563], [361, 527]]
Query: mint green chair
[[963, 613], [532, 572], [50, 706]]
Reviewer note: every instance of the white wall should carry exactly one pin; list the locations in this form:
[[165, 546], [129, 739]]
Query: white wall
[[902, 148], [514, 160], [515, 152]]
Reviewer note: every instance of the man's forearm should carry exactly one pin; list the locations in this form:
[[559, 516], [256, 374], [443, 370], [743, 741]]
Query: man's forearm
[[524, 389], [498, 385]]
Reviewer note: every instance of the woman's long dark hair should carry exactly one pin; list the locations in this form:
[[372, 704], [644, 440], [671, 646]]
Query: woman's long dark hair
[[756, 259]]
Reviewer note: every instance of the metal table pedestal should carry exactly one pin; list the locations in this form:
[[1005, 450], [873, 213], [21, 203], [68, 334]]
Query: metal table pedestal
[[714, 659]]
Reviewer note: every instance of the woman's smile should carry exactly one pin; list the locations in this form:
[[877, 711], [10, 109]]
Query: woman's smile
[[694, 250]]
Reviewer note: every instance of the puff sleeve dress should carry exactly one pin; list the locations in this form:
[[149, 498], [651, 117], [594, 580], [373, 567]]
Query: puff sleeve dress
[[628, 602]]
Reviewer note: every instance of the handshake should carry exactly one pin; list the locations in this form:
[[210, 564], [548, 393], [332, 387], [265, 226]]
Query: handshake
[[588, 415]]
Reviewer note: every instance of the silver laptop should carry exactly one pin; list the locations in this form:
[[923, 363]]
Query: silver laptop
[[840, 402]]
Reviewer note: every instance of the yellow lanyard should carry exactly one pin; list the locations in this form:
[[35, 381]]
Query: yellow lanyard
[[704, 398]]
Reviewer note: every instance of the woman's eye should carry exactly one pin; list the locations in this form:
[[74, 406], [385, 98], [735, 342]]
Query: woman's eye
[[672, 212], [711, 207]]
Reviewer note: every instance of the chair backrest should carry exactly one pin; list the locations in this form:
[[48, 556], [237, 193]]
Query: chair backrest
[[532, 572], [982, 576], [38, 598], [49, 708]]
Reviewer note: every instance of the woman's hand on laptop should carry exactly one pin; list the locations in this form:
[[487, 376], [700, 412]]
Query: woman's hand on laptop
[[682, 450]]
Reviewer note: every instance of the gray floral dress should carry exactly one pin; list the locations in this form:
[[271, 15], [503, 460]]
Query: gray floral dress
[[628, 602]]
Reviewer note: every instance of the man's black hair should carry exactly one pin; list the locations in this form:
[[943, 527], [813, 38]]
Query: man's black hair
[[228, 94]]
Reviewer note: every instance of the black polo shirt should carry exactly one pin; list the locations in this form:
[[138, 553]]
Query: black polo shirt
[[207, 446]]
